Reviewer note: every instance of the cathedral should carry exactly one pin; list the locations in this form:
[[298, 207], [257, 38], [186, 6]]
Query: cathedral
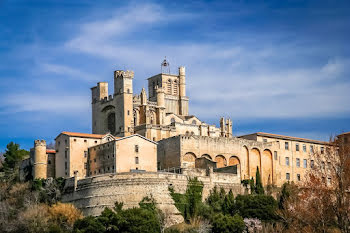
[[161, 114]]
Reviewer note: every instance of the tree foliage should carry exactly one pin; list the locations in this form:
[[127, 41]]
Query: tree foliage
[[142, 219], [259, 189], [13, 156]]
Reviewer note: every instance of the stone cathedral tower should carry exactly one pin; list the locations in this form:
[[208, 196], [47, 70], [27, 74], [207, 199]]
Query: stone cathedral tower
[[164, 113]]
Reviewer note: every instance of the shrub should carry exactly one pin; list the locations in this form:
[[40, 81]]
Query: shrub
[[262, 207], [226, 223]]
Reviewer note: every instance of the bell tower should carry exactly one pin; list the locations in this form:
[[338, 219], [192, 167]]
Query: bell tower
[[123, 93]]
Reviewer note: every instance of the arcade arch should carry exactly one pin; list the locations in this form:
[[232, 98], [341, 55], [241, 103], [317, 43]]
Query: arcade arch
[[188, 160], [267, 171], [220, 161]]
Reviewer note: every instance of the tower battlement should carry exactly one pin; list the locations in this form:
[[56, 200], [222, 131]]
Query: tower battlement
[[39, 143], [124, 74]]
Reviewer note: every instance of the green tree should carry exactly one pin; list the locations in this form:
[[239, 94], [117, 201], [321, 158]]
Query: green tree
[[262, 207], [259, 189], [227, 224], [228, 206], [13, 155], [252, 185]]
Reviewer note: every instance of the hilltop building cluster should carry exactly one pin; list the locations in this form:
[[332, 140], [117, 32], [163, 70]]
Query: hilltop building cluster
[[154, 132]]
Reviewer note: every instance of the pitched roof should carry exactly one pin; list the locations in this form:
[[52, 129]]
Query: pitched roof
[[83, 135], [286, 137], [50, 151]]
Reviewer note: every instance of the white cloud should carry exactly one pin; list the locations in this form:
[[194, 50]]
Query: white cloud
[[67, 71], [46, 102]]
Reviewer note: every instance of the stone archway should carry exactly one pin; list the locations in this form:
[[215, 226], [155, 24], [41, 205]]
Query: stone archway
[[233, 160], [254, 162], [220, 161], [267, 171], [207, 156], [188, 161]]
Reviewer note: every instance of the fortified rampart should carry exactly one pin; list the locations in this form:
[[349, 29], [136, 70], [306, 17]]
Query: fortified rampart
[[92, 195]]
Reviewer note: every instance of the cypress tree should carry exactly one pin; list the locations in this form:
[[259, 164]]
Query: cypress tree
[[259, 189]]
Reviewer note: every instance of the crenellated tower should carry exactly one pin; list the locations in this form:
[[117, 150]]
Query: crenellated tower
[[123, 94], [40, 160]]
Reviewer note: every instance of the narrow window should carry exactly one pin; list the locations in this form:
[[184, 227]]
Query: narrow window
[[311, 149], [49, 162], [95, 142], [287, 176], [298, 177], [297, 147], [85, 165], [65, 165], [323, 165], [137, 160], [322, 150], [85, 154], [305, 163], [275, 154], [136, 148], [312, 164], [85, 140], [128, 112], [298, 162], [286, 145], [175, 88], [264, 140], [287, 161], [75, 139], [65, 154], [304, 147], [329, 181], [95, 160]]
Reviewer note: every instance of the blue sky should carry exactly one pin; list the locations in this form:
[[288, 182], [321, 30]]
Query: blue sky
[[272, 66]]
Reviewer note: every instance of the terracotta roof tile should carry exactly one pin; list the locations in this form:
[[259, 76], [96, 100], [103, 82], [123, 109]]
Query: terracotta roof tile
[[50, 151], [84, 135]]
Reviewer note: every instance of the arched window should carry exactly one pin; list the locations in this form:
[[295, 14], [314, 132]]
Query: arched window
[[111, 123], [172, 120], [194, 122], [169, 86], [175, 87], [153, 88]]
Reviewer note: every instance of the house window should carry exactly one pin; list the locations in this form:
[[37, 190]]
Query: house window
[[49, 162], [275, 155], [323, 165], [297, 147], [298, 177], [154, 138], [136, 148], [264, 140], [194, 122], [65, 142], [311, 149], [287, 161], [65, 154], [75, 139], [85, 165], [95, 160], [287, 176], [305, 163], [298, 162], [286, 145], [312, 164], [58, 143], [322, 150], [304, 147], [137, 160], [85, 154], [85, 140], [128, 112], [172, 120], [65, 165], [96, 142], [99, 171]]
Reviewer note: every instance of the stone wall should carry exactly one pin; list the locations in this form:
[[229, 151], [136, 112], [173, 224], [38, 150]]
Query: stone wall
[[92, 195]]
